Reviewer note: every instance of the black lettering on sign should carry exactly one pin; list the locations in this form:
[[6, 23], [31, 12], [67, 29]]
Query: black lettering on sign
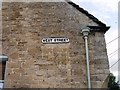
[[54, 40]]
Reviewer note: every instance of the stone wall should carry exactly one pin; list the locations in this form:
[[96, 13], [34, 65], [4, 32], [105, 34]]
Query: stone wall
[[33, 64]]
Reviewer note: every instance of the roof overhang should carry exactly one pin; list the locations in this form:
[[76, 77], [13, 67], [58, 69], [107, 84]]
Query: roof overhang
[[99, 28]]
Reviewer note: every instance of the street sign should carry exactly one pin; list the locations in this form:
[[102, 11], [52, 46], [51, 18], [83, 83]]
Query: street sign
[[55, 40]]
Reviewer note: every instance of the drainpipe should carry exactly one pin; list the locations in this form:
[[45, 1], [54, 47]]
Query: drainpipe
[[85, 32]]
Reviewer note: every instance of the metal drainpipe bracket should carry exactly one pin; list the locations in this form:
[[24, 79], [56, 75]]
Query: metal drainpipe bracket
[[85, 31]]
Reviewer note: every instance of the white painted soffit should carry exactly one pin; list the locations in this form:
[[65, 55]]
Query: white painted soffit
[[3, 58]]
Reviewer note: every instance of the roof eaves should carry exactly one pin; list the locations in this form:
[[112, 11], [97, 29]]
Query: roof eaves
[[99, 28], [87, 14]]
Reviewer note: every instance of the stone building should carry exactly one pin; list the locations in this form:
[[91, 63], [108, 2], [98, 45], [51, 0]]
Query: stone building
[[45, 45]]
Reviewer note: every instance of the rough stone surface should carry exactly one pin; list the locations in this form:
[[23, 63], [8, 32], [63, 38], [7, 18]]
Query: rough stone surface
[[33, 64]]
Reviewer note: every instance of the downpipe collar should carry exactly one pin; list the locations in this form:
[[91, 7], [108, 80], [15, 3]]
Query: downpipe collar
[[85, 31]]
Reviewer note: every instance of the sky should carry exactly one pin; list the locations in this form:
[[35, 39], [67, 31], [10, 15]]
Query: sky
[[107, 12]]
